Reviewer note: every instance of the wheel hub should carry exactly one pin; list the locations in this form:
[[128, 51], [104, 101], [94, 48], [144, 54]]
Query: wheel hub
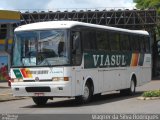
[[86, 92]]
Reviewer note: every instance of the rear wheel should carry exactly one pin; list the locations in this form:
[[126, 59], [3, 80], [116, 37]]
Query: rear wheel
[[40, 101], [87, 94], [131, 90]]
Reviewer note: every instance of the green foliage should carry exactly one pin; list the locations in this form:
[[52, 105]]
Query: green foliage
[[144, 4], [155, 93], [150, 4]]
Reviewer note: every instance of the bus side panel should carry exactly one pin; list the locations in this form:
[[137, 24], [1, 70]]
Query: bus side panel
[[78, 81], [114, 79], [79, 78], [123, 75], [70, 72], [142, 70], [93, 74], [146, 68], [134, 71]]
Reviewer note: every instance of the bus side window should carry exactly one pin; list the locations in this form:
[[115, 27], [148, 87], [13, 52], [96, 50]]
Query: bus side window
[[89, 39], [147, 44], [60, 48], [114, 41], [76, 48], [124, 42], [134, 41], [102, 40], [141, 44], [76, 40]]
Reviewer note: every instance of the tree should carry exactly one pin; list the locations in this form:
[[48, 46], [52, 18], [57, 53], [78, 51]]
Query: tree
[[150, 4], [144, 4]]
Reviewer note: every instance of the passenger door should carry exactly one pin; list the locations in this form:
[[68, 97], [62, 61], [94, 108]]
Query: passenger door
[[77, 60]]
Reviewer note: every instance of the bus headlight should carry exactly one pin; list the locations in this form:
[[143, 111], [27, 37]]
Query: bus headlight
[[60, 78], [18, 80]]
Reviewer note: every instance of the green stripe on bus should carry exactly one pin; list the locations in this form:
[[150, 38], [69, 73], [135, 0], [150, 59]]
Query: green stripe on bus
[[107, 59], [17, 73]]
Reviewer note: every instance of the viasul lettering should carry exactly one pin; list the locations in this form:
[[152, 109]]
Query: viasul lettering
[[109, 60]]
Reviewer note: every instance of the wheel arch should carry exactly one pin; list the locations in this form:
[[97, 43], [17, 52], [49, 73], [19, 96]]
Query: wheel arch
[[134, 77], [90, 81]]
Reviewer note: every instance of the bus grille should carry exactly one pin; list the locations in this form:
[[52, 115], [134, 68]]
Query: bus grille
[[39, 80], [38, 89]]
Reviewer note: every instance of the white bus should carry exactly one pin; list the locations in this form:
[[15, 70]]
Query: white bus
[[75, 59]]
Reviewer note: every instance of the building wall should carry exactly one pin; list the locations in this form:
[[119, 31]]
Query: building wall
[[7, 19]]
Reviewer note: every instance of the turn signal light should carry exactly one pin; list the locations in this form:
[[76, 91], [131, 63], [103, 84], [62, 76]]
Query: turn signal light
[[66, 78], [60, 78]]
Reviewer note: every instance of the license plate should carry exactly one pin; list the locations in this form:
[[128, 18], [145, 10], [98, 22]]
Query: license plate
[[38, 94]]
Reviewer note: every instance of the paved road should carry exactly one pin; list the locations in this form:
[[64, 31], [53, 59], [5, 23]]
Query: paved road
[[109, 103], [4, 88]]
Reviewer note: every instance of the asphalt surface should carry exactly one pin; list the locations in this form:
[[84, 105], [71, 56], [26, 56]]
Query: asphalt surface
[[6, 93], [108, 103], [12, 108]]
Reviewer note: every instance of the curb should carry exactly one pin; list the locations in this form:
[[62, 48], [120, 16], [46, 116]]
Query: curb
[[4, 87], [148, 98], [9, 97], [3, 81]]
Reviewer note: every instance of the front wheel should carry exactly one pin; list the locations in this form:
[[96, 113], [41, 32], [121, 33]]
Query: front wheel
[[87, 94], [40, 101]]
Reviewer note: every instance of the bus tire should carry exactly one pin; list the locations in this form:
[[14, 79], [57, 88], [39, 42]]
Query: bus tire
[[87, 95], [40, 101], [131, 90]]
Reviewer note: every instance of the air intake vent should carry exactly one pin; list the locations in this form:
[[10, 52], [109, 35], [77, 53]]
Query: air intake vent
[[38, 89]]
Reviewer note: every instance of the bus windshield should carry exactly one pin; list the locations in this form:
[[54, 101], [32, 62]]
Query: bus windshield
[[40, 48]]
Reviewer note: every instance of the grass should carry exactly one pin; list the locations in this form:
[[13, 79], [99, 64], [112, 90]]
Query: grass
[[153, 93]]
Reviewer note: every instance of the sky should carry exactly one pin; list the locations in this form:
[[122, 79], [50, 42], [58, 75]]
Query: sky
[[63, 4]]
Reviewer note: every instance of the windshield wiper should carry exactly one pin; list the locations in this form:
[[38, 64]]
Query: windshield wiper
[[44, 59]]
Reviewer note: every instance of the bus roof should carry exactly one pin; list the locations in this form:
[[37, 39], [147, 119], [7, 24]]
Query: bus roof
[[69, 24]]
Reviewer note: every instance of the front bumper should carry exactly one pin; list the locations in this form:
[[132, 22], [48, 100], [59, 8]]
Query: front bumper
[[51, 89]]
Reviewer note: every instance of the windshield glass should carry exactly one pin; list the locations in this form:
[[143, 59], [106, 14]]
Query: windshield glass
[[41, 48]]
